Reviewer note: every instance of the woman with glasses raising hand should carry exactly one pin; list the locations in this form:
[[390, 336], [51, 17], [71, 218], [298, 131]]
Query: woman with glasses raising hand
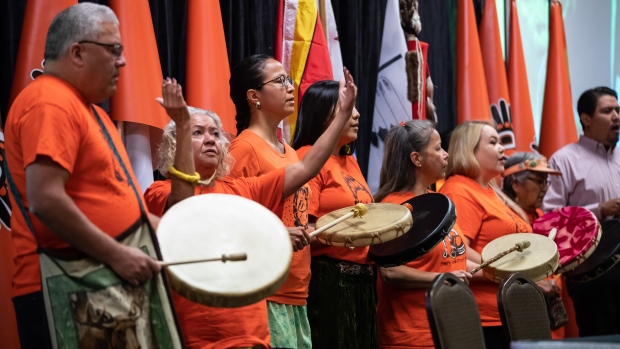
[[263, 96]]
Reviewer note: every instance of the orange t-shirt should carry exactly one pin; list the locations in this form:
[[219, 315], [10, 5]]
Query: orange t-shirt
[[339, 184], [254, 157], [51, 118], [203, 325], [401, 312], [534, 216], [482, 217]]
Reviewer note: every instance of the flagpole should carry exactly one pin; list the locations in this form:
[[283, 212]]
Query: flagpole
[[323, 16], [507, 24]]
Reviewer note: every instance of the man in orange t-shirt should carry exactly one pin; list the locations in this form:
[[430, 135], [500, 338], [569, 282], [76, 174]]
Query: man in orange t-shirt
[[64, 170]]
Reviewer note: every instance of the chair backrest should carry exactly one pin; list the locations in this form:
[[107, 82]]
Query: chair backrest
[[453, 314], [523, 309]]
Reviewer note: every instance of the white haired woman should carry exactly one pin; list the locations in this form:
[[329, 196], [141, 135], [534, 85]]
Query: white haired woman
[[194, 155]]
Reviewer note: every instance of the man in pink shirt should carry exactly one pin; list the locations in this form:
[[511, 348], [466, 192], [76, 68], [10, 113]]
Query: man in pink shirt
[[591, 179]]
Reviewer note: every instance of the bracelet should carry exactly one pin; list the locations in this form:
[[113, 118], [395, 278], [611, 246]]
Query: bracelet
[[184, 176]]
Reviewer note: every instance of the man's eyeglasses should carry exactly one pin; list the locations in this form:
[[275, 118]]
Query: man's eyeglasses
[[116, 49], [542, 183], [282, 80]]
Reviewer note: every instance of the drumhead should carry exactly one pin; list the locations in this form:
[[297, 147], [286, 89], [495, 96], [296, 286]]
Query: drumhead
[[605, 257], [578, 232], [433, 217], [210, 225], [381, 223], [537, 261]]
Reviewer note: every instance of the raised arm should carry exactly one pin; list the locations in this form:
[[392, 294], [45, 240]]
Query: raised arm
[[299, 173], [176, 108]]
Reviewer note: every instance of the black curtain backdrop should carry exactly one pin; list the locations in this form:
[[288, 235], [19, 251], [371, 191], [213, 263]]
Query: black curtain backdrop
[[250, 26]]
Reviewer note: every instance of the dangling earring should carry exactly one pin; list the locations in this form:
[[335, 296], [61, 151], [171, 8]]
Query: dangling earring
[[258, 105], [347, 149]]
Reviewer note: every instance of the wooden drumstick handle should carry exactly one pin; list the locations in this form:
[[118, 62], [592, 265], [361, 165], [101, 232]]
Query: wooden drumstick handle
[[357, 210], [225, 257], [519, 246]]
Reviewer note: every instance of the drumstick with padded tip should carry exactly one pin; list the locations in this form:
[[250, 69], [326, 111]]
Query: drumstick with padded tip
[[519, 246], [225, 257], [357, 211]]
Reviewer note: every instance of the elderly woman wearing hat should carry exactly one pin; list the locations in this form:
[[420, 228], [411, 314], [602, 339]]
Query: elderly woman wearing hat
[[525, 181]]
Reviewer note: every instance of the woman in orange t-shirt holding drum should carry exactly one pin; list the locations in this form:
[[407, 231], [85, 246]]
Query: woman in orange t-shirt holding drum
[[484, 212], [263, 94], [413, 160], [341, 297]]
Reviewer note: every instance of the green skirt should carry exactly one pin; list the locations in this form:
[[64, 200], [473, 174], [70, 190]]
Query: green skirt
[[342, 305], [288, 326]]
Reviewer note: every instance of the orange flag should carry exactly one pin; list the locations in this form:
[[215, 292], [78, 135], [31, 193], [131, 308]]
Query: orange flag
[[208, 70], [138, 86], [39, 15], [140, 81], [558, 125], [472, 100], [495, 73], [302, 48], [521, 106]]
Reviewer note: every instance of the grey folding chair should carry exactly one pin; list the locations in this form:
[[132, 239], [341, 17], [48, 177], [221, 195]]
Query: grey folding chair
[[522, 309], [453, 314]]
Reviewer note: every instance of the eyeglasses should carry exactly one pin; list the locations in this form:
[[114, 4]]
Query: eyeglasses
[[542, 183], [283, 80], [116, 49]]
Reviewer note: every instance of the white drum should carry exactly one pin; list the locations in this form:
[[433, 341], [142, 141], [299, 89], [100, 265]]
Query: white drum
[[537, 261], [382, 222], [210, 225]]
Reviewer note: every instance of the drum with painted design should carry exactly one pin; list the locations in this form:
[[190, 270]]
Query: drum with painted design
[[575, 230]]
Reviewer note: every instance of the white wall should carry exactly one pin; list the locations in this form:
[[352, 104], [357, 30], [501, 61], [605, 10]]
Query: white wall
[[592, 39]]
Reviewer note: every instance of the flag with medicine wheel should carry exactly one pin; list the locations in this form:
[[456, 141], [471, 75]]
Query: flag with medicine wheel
[[302, 49]]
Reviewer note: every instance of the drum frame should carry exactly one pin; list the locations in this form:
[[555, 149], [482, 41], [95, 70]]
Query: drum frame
[[378, 254], [609, 249], [583, 256], [543, 270], [197, 218], [334, 236]]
